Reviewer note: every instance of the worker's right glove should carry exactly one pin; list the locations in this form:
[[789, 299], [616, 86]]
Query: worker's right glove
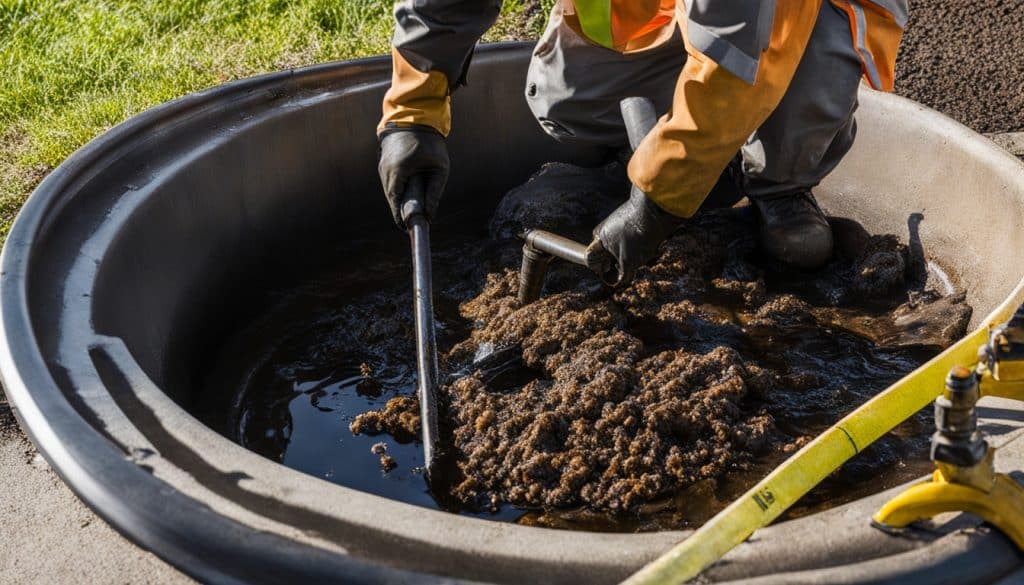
[[633, 232], [413, 152]]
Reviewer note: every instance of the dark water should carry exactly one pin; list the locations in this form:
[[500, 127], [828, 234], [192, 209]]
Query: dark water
[[296, 381]]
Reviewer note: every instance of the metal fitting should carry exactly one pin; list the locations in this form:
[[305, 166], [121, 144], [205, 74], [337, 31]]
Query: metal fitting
[[1004, 353], [956, 440], [540, 247]]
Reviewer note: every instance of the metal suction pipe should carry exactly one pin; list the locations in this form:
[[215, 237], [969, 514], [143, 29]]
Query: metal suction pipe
[[557, 246], [426, 345], [539, 248]]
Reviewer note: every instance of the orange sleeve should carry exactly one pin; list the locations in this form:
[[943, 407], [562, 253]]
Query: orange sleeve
[[416, 98], [714, 112], [433, 46]]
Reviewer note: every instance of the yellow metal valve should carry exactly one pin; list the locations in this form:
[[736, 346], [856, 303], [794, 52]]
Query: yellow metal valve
[[994, 497]]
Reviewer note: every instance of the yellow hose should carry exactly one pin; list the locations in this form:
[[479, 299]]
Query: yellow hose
[[787, 483]]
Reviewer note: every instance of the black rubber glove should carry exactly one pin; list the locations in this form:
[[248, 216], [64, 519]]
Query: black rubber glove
[[633, 232], [407, 152]]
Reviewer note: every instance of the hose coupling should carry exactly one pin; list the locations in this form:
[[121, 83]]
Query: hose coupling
[[1003, 355], [956, 440]]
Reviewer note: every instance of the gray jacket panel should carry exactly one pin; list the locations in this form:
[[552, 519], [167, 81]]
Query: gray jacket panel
[[732, 33]]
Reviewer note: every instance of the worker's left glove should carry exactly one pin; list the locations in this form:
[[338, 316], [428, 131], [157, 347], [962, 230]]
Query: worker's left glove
[[413, 153], [633, 232]]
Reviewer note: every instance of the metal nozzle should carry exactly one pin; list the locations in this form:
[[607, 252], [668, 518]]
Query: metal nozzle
[[531, 274]]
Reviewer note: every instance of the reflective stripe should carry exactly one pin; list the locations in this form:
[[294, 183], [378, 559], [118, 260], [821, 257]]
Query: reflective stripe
[[722, 52], [865, 55], [596, 20], [896, 8], [732, 34]]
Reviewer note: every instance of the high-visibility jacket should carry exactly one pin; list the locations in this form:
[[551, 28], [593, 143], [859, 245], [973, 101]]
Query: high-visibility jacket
[[735, 31], [742, 55]]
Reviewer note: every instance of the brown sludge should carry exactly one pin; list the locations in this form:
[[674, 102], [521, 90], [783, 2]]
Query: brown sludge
[[611, 429], [399, 418], [611, 423], [680, 380]]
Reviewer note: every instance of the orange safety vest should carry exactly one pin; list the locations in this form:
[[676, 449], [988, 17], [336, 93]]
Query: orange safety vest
[[876, 26], [877, 29], [616, 23]]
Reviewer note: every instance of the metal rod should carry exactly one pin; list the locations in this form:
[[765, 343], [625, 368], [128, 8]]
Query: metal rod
[[426, 344], [540, 247], [557, 246]]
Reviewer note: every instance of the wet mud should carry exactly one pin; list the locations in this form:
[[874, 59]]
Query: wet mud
[[644, 408]]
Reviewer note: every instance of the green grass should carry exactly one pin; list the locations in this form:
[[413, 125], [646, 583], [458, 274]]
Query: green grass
[[74, 68]]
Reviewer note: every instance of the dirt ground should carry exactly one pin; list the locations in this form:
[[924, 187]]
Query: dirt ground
[[962, 58]]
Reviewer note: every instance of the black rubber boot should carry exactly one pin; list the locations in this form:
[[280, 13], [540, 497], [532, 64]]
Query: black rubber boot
[[794, 229]]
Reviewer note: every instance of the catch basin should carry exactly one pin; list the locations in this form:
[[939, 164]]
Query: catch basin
[[134, 266]]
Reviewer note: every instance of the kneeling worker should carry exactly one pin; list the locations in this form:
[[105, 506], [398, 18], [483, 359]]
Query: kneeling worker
[[772, 80]]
